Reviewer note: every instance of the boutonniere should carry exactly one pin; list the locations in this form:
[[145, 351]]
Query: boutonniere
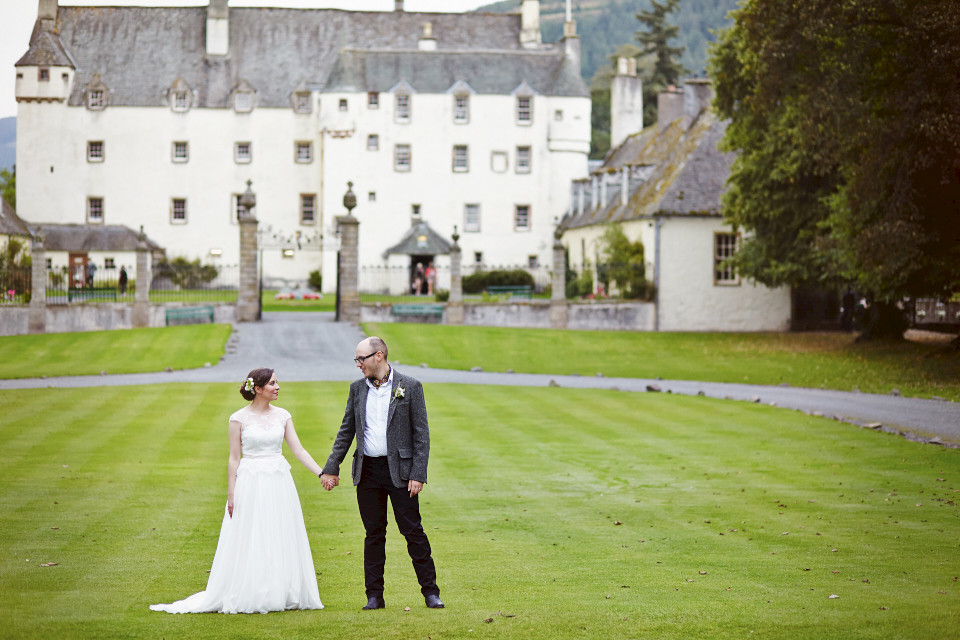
[[399, 393]]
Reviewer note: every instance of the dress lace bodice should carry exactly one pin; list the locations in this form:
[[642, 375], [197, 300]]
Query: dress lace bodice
[[261, 435]]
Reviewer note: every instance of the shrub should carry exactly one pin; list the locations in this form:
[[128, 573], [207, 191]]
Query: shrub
[[186, 274], [479, 281], [315, 281], [441, 295]]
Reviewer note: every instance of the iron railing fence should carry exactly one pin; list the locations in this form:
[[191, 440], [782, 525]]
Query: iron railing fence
[[193, 282], [15, 285]]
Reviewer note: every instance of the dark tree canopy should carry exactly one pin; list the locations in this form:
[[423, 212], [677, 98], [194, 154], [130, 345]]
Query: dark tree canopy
[[654, 40], [846, 117]]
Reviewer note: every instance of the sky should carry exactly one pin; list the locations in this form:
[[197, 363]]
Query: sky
[[17, 18]]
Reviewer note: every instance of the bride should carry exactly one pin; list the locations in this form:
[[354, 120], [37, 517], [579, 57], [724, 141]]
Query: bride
[[263, 560]]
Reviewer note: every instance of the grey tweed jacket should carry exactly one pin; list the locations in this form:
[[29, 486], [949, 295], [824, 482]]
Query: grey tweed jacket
[[408, 434]]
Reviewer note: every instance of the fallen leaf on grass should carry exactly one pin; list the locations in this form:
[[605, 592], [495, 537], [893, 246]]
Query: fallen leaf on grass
[[617, 522], [833, 597], [49, 564], [406, 608], [703, 573], [54, 528], [489, 620], [883, 608]]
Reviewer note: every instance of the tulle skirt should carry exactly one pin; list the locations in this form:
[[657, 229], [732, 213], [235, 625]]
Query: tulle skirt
[[263, 561]]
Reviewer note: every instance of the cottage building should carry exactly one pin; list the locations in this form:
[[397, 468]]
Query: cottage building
[[11, 226], [663, 186], [158, 117]]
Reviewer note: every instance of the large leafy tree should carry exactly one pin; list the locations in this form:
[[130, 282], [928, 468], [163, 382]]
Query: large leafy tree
[[8, 186], [655, 39], [846, 117]]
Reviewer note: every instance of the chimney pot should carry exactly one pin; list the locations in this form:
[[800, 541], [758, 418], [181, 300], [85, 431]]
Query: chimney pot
[[398, 5]]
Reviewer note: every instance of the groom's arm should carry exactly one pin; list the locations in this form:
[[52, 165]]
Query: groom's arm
[[345, 436], [420, 433]]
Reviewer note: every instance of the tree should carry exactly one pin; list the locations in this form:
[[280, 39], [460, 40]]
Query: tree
[[845, 115], [654, 41], [623, 265], [8, 186], [186, 274]]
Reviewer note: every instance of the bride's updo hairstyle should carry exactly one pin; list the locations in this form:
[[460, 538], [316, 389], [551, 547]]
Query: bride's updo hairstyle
[[259, 378]]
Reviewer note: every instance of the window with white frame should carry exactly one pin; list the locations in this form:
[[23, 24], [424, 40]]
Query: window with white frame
[[95, 99], [523, 159], [181, 151], [524, 109], [178, 210], [235, 208], [402, 159], [533, 262], [461, 161], [558, 115], [95, 151], [373, 100], [109, 263], [402, 107], [415, 210], [181, 101], [242, 153], [43, 74], [521, 217], [372, 196], [243, 101], [373, 142], [301, 102], [724, 248], [461, 108], [303, 152], [308, 208], [343, 104], [471, 217], [478, 258], [95, 210]]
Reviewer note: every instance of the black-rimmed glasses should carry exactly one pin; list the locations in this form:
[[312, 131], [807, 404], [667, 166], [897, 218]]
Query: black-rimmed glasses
[[362, 358]]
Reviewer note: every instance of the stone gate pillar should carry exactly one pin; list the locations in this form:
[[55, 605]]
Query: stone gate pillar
[[558, 296], [37, 322], [141, 292], [248, 295], [455, 302], [349, 260]]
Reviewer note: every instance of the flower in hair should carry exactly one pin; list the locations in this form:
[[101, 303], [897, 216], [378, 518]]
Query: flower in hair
[[248, 385]]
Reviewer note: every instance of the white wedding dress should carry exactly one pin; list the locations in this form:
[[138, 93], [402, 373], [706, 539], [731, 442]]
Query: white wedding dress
[[263, 561]]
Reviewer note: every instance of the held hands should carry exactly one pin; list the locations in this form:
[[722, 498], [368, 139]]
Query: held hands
[[329, 481]]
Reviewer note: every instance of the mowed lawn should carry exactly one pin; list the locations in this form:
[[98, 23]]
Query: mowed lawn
[[814, 360], [553, 513], [121, 351]]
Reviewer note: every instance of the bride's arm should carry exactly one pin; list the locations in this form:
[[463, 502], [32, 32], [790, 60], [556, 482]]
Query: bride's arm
[[233, 463], [302, 455]]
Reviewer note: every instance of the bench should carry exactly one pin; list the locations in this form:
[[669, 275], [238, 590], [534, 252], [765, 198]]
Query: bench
[[189, 315], [421, 309], [514, 291], [91, 293]]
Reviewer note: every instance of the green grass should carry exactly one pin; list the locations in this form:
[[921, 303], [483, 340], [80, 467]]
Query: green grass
[[553, 513], [121, 351], [815, 360]]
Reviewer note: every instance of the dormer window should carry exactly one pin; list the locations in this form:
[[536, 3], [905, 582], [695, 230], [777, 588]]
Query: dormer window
[[243, 102], [403, 107], [95, 100], [180, 101], [97, 94], [524, 109], [461, 108], [180, 95], [301, 102], [373, 100], [43, 74]]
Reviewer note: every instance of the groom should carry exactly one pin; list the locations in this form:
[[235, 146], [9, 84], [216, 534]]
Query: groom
[[387, 415]]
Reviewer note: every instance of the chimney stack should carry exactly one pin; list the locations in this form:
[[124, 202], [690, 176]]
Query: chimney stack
[[427, 42], [669, 107], [398, 5], [626, 102], [697, 96], [530, 24], [218, 28]]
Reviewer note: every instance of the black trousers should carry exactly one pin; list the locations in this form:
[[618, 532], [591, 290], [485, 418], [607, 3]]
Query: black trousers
[[372, 492]]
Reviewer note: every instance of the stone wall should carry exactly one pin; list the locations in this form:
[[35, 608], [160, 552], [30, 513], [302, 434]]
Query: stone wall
[[102, 316]]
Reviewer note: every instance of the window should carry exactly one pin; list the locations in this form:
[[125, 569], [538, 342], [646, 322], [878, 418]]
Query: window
[[287, 253], [415, 210], [401, 158], [498, 161], [242, 152], [521, 217], [523, 159], [301, 103], [478, 258], [533, 262], [524, 109], [304, 152], [243, 101], [372, 196], [178, 210], [558, 115], [373, 142], [403, 107], [180, 101], [94, 210], [308, 208], [181, 152], [95, 99], [43, 74], [109, 263], [95, 151], [373, 100], [461, 108], [343, 104], [49, 263], [235, 208], [460, 160], [471, 217], [724, 247]]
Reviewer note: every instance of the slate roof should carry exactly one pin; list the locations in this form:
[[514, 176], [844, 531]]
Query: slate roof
[[140, 51], [90, 237], [420, 239], [46, 49], [10, 222], [683, 173]]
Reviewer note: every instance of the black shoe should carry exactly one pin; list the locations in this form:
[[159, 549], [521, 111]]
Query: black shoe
[[376, 602], [434, 602]]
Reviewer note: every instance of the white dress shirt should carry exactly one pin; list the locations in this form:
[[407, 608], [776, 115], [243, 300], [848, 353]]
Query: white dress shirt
[[378, 408]]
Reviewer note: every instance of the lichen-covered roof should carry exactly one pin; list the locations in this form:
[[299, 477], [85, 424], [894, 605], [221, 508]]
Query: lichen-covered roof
[[90, 237], [420, 239], [687, 177], [140, 51], [10, 222]]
